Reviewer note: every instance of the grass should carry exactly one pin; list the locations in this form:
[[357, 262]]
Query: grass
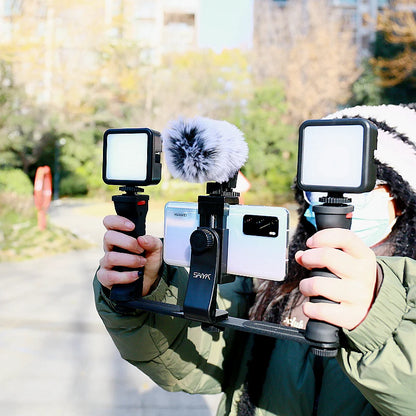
[[20, 237], [25, 241]]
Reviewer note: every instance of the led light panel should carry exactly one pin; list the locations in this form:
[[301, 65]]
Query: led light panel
[[332, 155], [126, 156], [337, 155]]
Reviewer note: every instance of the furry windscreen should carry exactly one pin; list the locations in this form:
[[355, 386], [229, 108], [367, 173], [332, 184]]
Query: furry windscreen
[[203, 150]]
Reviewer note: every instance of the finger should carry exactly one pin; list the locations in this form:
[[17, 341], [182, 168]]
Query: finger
[[329, 288], [338, 262], [335, 314], [108, 278], [116, 222], [153, 252], [113, 258], [337, 290], [327, 312], [149, 243], [342, 239], [118, 239]]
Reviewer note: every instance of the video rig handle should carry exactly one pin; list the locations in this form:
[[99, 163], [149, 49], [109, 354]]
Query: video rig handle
[[133, 206], [332, 214]]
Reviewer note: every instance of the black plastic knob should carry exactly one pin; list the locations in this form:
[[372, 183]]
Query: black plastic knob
[[324, 353], [202, 240]]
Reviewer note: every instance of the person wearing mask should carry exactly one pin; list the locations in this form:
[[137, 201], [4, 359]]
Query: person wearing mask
[[374, 372]]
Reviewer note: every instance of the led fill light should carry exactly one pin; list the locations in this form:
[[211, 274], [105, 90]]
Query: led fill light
[[337, 155], [131, 157]]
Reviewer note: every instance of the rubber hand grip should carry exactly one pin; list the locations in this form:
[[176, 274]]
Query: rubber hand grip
[[134, 208]]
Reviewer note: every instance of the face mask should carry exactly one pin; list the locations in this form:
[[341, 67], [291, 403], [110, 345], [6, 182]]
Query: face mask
[[370, 221]]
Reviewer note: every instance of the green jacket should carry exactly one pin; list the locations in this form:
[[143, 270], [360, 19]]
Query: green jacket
[[379, 356]]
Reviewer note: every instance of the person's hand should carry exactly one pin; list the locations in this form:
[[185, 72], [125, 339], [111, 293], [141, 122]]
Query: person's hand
[[345, 255], [114, 238]]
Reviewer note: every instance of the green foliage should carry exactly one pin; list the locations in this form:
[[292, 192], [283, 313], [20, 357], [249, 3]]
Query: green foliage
[[8, 92], [27, 138], [15, 181], [121, 94], [271, 165], [170, 189], [367, 89], [30, 136], [73, 185], [404, 92], [80, 163]]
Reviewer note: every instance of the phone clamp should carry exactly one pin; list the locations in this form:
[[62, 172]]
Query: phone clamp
[[201, 292], [209, 248]]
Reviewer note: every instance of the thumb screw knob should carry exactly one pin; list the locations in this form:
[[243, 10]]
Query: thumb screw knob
[[202, 240]]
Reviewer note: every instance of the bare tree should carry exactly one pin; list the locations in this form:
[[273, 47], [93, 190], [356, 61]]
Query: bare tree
[[308, 45]]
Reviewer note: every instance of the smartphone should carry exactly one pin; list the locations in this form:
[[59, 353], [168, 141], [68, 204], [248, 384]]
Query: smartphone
[[258, 238], [181, 220]]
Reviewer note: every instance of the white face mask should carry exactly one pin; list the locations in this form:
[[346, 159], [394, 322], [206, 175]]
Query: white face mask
[[371, 218]]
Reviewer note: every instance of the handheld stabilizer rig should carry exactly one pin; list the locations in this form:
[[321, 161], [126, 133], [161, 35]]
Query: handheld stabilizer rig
[[209, 242], [131, 157], [335, 157]]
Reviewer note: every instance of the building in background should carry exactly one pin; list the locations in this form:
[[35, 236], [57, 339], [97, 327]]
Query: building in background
[[159, 26], [176, 26], [64, 37], [360, 14]]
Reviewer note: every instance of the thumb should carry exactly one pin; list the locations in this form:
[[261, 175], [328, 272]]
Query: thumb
[[149, 243]]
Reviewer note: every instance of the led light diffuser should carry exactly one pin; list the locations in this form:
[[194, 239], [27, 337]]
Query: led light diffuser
[[127, 156], [131, 157], [337, 155]]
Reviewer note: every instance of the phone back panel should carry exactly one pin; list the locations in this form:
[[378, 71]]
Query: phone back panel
[[248, 255], [181, 219], [258, 256]]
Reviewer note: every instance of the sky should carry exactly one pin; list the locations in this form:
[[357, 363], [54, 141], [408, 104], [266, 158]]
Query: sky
[[226, 24]]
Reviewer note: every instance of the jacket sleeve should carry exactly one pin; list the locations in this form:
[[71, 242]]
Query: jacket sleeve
[[380, 354], [176, 353]]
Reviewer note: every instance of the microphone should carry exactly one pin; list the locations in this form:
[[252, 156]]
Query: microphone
[[203, 150]]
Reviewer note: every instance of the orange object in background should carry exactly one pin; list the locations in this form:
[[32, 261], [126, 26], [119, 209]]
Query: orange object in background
[[243, 185], [42, 193]]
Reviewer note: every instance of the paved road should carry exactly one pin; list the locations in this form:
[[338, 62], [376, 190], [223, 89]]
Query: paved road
[[55, 355]]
